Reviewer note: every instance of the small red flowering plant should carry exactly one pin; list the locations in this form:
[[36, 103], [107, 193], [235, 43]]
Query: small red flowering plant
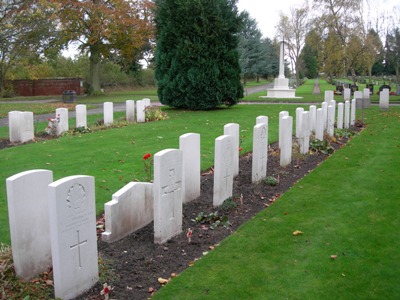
[[51, 128], [148, 166]]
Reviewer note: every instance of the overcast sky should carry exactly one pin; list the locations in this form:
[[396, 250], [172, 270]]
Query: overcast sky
[[267, 12]]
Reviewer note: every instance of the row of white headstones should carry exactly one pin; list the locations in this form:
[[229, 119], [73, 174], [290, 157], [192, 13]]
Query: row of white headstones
[[21, 123], [54, 223]]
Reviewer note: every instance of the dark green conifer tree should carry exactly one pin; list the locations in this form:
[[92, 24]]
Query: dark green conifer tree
[[196, 58]]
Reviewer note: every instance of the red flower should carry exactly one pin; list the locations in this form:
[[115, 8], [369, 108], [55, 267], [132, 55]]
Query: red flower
[[240, 148], [106, 290], [147, 156]]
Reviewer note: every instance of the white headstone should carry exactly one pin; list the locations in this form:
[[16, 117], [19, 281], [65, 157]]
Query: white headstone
[[329, 95], [358, 95], [26, 126], [130, 111], [108, 113], [130, 209], [260, 152], [333, 103], [331, 120], [281, 115], [286, 144], [233, 130], [346, 94], [324, 106], [367, 99], [353, 112], [62, 124], [223, 168], [304, 140], [299, 120], [319, 125], [147, 102], [384, 99], [313, 118], [168, 194], [340, 116], [347, 114], [28, 213], [262, 120], [73, 235], [140, 111], [189, 143], [81, 115], [14, 118]]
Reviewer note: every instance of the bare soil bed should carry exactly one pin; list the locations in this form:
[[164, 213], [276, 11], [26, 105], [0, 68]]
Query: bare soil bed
[[134, 264]]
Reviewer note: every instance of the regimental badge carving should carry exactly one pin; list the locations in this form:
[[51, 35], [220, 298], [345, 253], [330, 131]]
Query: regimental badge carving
[[76, 199]]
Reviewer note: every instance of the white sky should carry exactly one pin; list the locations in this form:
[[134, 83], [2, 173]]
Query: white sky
[[267, 12]]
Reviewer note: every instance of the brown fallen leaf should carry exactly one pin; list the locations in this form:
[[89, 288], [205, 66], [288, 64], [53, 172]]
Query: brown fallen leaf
[[297, 232], [162, 280], [333, 256]]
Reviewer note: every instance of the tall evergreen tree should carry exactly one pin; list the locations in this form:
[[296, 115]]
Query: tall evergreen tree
[[197, 62]]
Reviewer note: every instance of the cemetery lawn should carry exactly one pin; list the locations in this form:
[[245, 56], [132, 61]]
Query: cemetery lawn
[[349, 214]]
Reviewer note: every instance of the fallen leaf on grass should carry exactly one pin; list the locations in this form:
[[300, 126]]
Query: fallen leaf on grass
[[162, 280], [297, 232], [333, 256]]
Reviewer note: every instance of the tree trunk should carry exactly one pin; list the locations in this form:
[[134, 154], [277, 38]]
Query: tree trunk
[[94, 80], [353, 75]]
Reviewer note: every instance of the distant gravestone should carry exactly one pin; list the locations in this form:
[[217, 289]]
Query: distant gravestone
[[140, 111], [331, 120], [304, 139], [73, 235], [168, 194], [130, 111], [147, 102], [319, 125], [14, 126], [130, 209], [27, 132], [281, 115], [262, 120], [312, 118], [329, 95], [347, 94], [299, 120], [286, 144], [223, 168], [62, 120], [233, 130], [28, 213], [384, 99], [108, 113], [81, 116], [366, 97], [260, 152], [189, 143], [353, 112], [347, 114], [358, 95], [340, 116]]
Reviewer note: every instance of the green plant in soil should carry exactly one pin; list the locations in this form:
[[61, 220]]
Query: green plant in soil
[[324, 147], [271, 181]]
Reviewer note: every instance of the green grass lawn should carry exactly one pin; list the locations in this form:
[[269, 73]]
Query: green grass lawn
[[348, 207], [114, 156]]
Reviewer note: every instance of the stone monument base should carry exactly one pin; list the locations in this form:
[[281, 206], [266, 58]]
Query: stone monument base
[[281, 93]]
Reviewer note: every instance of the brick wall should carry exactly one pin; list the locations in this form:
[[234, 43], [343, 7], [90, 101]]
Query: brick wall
[[43, 87]]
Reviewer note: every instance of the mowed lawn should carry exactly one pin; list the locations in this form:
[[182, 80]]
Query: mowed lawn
[[115, 156], [347, 208]]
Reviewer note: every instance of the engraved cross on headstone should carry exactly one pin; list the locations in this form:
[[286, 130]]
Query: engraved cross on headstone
[[170, 190], [78, 245]]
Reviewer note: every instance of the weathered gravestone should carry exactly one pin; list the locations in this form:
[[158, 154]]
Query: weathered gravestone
[[73, 235], [329, 95], [304, 139], [130, 111], [299, 120], [331, 120], [189, 143], [81, 115], [384, 99], [347, 114], [140, 111], [262, 120], [108, 113], [233, 130], [366, 97], [281, 115], [286, 144], [260, 152], [130, 209], [21, 127], [147, 102], [340, 116], [28, 213], [62, 120], [319, 125], [353, 112], [223, 168], [168, 194], [312, 118], [346, 94]]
